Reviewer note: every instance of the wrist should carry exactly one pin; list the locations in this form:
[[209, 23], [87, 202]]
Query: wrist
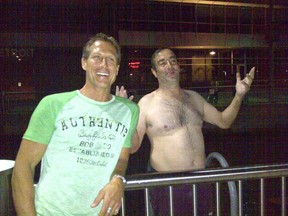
[[122, 178], [239, 97]]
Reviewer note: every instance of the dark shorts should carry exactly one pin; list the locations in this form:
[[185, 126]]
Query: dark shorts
[[182, 199]]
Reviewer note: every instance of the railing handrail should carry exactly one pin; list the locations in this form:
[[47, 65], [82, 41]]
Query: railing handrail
[[142, 181]]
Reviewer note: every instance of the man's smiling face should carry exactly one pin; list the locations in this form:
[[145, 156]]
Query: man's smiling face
[[101, 66], [167, 68]]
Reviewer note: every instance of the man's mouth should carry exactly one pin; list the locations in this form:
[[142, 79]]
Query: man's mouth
[[102, 74], [171, 73]]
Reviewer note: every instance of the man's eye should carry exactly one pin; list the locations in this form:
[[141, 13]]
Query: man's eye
[[162, 63], [174, 61], [97, 58], [111, 60]]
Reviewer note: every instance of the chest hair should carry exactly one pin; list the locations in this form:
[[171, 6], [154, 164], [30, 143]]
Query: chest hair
[[179, 112]]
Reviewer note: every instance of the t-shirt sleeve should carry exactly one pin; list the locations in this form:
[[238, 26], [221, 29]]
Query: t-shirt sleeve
[[42, 122]]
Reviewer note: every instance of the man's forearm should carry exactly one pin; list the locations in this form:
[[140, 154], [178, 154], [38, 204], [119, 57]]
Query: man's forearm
[[120, 169], [230, 113], [122, 163], [23, 191]]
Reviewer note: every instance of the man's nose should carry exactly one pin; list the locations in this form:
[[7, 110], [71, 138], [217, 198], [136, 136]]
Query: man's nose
[[104, 62], [168, 64]]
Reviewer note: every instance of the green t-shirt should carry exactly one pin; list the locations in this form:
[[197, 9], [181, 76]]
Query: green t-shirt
[[84, 139]]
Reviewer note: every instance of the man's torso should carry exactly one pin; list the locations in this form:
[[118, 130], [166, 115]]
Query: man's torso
[[174, 128], [86, 138]]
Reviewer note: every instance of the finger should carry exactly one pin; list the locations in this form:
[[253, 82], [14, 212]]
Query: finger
[[249, 77], [238, 77], [113, 207], [124, 93], [109, 211], [252, 72], [116, 209], [117, 90], [131, 97], [247, 86], [105, 210], [116, 212], [98, 199]]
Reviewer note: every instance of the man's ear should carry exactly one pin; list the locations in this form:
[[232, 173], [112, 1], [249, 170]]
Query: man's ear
[[117, 70], [154, 72], [84, 63]]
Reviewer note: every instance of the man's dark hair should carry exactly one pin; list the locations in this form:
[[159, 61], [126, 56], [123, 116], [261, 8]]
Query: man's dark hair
[[102, 37]]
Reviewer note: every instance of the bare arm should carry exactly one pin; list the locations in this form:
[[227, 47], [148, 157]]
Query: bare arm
[[227, 117], [141, 127], [112, 193], [29, 155]]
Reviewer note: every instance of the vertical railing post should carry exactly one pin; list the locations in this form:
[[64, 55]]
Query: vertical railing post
[[240, 205], [283, 188], [147, 209], [262, 196], [123, 213], [195, 199], [218, 199], [171, 200]]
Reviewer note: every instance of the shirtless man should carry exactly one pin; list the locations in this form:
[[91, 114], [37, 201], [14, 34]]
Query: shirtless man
[[173, 118]]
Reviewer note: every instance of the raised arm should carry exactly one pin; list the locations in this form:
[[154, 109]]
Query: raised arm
[[29, 155], [227, 117]]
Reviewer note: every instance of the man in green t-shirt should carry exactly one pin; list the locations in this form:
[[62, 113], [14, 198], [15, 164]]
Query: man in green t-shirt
[[83, 140]]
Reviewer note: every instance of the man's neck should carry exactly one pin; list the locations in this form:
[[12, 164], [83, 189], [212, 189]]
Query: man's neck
[[171, 91], [96, 94]]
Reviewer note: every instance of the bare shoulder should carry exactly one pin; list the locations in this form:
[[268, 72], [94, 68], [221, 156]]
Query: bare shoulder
[[146, 99], [193, 94], [194, 100]]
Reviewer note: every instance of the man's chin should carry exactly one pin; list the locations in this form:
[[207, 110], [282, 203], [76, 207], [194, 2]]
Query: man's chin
[[104, 83], [173, 78]]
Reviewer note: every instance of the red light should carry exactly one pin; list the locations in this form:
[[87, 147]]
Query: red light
[[134, 65]]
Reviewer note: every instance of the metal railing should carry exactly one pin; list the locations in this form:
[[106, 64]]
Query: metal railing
[[231, 184], [217, 176]]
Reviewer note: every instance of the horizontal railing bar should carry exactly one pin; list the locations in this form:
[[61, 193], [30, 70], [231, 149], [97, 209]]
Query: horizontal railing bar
[[141, 181]]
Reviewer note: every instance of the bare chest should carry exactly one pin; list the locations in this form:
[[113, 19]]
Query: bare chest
[[169, 115]]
